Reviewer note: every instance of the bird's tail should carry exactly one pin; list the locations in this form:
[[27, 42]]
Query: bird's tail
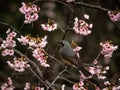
[[85, 72]]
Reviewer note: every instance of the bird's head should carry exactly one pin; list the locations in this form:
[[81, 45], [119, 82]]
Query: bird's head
[[65, 46], [64, 43]]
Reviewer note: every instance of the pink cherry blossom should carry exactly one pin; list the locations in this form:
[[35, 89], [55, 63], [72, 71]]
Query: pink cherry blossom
[[9, 42], [77, 49], [23, 40], [18, 65], [12, 34], [43, 42], [27, 86], [78, 87], [24, 9], [48, 27], [81, 27], [114, 16], [81, 83], [30, 11], [116, 88], [30, 18], [86, 16], [37, 45], [8, 85], [40, 56], [108, 49], [7, 52], [92, 70], [107, 83], [75, 87]]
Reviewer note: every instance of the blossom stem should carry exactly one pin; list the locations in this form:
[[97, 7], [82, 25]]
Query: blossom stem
[[21, 27], [98, 56], [61, 28]]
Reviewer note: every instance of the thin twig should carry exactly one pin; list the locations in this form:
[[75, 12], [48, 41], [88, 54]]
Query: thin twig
[[65, 34], [59, 1], [52, 57], [12, 74], [56, 78], [91, 83], [55, 1], [3, 23], [61, 28], [35, 1], [21, 27], [66, 80], [71, 74], [92, 6], [98, 56], [38, 77]]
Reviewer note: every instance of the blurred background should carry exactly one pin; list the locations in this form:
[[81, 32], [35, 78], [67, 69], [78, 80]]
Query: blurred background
[[103, 29]]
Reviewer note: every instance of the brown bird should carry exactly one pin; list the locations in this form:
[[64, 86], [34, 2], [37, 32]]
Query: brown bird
[[70, 57]]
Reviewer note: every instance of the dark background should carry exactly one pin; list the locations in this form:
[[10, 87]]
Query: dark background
[[103, 29]]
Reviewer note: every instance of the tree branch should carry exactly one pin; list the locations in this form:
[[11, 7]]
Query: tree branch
[[57, 78], [38, 77], [6, 24], [66, 80], [92, 6]]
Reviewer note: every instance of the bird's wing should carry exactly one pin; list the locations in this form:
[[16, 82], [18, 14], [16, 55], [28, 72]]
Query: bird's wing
[[74, 60]]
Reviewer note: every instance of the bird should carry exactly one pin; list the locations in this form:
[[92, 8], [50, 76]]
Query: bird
[[69, 56]]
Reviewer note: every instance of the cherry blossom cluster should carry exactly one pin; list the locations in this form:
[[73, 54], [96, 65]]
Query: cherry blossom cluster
[[39, 55], [82, 27], [76, 48], [108, 49], [8, 85], [79, 86], [33, 42], [37, 45], [114, 16], [19, 64], [99, 70], [28, 87], [50, 26], [8, 44], [30, 11], [101, 73], [111, 86]]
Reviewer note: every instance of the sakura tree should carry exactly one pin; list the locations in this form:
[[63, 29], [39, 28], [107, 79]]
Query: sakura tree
[[30, 51]]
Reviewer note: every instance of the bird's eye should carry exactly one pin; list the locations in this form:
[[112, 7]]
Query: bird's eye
[[61, 44]]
